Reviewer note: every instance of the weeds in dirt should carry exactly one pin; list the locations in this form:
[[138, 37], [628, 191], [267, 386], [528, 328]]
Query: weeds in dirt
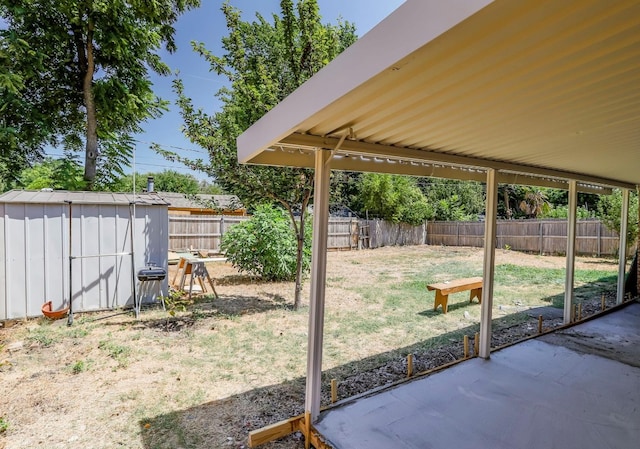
[[41, 336], [4, 424], [81, 366], [119, 353], [77, 331]]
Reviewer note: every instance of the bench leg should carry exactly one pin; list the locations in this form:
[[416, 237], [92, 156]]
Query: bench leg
[[476, 293], [440, 300]]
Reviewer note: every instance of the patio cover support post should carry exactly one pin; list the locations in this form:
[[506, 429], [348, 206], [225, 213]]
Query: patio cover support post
[[622, 249], [489, 263], [318, 278], [571, 251]]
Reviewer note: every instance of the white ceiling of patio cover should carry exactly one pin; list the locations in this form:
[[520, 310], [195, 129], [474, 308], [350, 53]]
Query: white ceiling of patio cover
[[529, 86]]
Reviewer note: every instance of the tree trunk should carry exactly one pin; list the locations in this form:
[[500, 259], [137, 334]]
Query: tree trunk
[[299, 255], [300, 230], [507, 208], [91, 151]]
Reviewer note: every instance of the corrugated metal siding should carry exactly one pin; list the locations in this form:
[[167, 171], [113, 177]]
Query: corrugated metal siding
[[3, 265], [80, 197], [34, 249]]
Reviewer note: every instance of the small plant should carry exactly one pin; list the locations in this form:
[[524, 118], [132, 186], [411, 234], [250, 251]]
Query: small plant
[[77, 332], [117, 352], [4, 424], [80, 366], [507, 247], [176, 301], [42, 337]]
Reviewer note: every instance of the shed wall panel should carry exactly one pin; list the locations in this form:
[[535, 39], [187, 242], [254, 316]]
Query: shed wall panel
[[3, 265], [122, 295], [55, 263], [34, 226], [151, 245], [15, 260]]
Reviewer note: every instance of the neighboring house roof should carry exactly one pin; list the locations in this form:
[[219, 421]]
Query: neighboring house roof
[[80, 197], [451, 89], [201, 201]]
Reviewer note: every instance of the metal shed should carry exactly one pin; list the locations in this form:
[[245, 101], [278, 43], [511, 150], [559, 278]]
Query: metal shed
[[45, 235]]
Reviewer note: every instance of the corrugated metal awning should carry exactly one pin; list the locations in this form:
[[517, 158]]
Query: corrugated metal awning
[[530, 87]]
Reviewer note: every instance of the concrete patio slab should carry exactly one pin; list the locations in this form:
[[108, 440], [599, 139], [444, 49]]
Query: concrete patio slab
[[577, 388]]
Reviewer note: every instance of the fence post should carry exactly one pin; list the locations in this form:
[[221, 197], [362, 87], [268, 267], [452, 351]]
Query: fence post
[[350, 233], [457, 233], [221, 232], [599, 238], [541, 238]]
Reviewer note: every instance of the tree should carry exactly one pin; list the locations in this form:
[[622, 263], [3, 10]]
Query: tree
[[263, 62], [79, 75], [210, 188], [64, 174], [453, 200], [610, 212], [164, 181], [394, 198], [23, 132], [173, 181], [534, 203]]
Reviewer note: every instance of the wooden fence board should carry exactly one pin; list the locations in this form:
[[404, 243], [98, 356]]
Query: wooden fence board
[[539, 236]]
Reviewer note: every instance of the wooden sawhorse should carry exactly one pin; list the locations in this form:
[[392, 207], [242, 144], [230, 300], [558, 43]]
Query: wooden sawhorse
[[195, 269]]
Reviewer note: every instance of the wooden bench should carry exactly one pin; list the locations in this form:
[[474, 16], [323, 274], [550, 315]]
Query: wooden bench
[[444, 289]]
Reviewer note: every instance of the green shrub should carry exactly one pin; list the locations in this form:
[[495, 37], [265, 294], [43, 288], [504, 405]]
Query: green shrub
[[266, 245], [395, 198]]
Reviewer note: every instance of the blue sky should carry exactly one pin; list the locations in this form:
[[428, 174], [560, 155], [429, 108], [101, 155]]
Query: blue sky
[[206, 24]]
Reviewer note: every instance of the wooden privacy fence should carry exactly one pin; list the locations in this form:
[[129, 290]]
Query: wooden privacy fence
[[539, 236], [199, 232], [352, 233], [383, 233], [204, 232]]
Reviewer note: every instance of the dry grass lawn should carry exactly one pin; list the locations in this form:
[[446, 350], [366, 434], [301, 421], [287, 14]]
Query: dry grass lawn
[[227, 366]]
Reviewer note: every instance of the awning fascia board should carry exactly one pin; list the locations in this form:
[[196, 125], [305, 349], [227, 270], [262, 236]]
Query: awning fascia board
[[366, 149], [356, 163]]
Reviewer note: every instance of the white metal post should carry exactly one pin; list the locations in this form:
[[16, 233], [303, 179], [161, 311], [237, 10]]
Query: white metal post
[[318, 278], [622, 250], [571, 251], [489, 263]]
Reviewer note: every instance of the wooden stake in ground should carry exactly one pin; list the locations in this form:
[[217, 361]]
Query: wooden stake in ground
[[307, 430], [409, 365], [539, 324], [476, 344], [466, 346], [334, 391], [578, 311], [604, 303]]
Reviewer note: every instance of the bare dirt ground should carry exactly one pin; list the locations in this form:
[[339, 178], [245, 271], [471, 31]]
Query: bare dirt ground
[[207, 377]]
